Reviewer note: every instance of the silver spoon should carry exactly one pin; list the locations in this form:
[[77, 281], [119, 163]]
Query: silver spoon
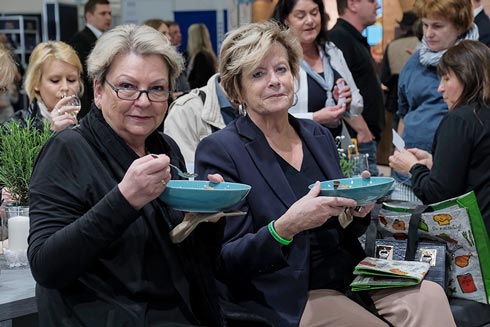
[[179, 171], [182, 173]]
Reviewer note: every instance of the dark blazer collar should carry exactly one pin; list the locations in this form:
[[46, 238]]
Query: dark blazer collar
[[312, 135]]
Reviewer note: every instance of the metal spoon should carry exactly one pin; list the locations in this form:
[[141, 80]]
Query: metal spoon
[[179, 171], [182, 173]]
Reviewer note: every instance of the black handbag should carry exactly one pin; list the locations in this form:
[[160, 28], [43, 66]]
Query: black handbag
[[410, 249]]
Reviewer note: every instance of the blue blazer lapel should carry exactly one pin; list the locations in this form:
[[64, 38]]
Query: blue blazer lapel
[[265, 160], [321, 145]]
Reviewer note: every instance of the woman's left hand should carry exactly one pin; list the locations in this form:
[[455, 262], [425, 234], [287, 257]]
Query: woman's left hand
[[215, 178], [402, 161]]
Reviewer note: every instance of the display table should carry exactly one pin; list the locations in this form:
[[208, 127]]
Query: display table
[[17, 293]]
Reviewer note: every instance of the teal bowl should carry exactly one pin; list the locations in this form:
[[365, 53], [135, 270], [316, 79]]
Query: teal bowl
[[363, 190], [203, 196]]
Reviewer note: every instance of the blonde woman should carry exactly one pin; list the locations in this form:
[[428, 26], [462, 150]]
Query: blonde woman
[[7, 76], [202, 59], [52, 78]]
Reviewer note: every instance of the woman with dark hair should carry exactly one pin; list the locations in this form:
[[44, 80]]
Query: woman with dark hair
[[465, 87], [323, 65]]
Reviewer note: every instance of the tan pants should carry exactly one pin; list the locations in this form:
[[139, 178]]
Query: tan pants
[[425, 305]]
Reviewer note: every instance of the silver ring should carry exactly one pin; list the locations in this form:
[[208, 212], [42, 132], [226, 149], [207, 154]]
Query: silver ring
[[58, 111], [163, 182]]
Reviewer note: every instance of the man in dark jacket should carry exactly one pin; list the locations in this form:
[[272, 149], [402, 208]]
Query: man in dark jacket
[[98, 20]]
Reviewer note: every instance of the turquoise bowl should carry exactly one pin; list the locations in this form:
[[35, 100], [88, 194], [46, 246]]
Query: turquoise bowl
[[363, 190], [203, 196]]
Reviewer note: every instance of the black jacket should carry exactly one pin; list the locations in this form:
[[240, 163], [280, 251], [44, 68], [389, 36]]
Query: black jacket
[[98, 261]]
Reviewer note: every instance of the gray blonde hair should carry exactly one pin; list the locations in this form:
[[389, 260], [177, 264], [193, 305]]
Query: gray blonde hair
[[44, 53], [7, 67], [244, 48], [130, 38]]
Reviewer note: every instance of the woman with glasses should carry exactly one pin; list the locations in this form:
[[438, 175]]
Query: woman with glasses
[[99, 245]]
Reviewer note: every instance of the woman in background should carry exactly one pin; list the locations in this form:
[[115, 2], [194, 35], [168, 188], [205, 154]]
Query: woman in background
[[461, 147], [8, 72], [323, 65], [158, 24], [202, 59], [420, 106], [53, 77]]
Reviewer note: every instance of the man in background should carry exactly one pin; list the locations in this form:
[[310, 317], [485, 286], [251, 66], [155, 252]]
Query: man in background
[[395, 57], [482, 21], [175, 38], [98, 17], [354, 17]]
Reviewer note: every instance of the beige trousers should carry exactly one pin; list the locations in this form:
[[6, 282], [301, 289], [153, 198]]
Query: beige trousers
[[425, 305]]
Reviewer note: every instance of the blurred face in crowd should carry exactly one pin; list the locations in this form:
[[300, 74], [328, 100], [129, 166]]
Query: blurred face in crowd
[[58, 79], [451, 89], [366, 11], [101, 17], [133, 120], [269, 88], [164, 30], [305, 21], [175, 35], [439, 33]]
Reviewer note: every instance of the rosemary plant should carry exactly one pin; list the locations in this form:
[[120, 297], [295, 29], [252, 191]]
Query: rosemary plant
[[19, 147]]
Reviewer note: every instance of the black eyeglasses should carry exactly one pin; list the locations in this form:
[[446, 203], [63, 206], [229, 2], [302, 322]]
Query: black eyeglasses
[[132, 93]]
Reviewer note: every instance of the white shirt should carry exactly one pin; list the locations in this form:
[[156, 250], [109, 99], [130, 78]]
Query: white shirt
[[96, 31]]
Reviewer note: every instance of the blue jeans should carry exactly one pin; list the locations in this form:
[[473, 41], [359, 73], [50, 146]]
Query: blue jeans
[[370, 148]]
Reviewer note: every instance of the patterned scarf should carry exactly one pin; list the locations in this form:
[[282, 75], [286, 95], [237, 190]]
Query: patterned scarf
[[431, 58]]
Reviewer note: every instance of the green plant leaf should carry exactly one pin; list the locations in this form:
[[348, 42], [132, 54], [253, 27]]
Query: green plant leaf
[[19, 148]]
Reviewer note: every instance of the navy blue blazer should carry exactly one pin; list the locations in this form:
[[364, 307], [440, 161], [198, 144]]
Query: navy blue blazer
[[269, 279]]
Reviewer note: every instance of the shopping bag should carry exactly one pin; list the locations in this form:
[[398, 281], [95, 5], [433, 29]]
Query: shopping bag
[[458, 223]]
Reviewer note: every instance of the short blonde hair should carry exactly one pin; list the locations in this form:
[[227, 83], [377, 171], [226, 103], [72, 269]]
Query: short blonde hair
[[244, 48], [46, 52], [459, 12], [142, 40], [7, 67]]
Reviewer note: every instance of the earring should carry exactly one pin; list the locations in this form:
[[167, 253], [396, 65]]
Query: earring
[[242, 109], [295, 101]]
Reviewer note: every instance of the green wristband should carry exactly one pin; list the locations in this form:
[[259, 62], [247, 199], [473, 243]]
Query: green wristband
[[276, 236]]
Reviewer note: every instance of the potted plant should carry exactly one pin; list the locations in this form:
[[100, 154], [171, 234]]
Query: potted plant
[[19, 147]]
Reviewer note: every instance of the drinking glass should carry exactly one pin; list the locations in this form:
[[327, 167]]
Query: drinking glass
[[359, 163], [73, 107]]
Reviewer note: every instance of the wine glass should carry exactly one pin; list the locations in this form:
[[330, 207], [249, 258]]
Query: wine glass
[[74, 105]]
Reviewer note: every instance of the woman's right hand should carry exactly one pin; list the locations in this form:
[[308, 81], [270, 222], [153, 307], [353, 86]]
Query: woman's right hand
[[145, 180], [424, 157], [309, 212], [329, 116], [64, 115]]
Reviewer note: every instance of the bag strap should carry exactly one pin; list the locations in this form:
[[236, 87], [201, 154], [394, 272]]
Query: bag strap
[[372, 231], [413, 235]]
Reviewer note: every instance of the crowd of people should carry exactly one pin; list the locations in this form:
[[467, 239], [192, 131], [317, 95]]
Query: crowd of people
[[264, 112]]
